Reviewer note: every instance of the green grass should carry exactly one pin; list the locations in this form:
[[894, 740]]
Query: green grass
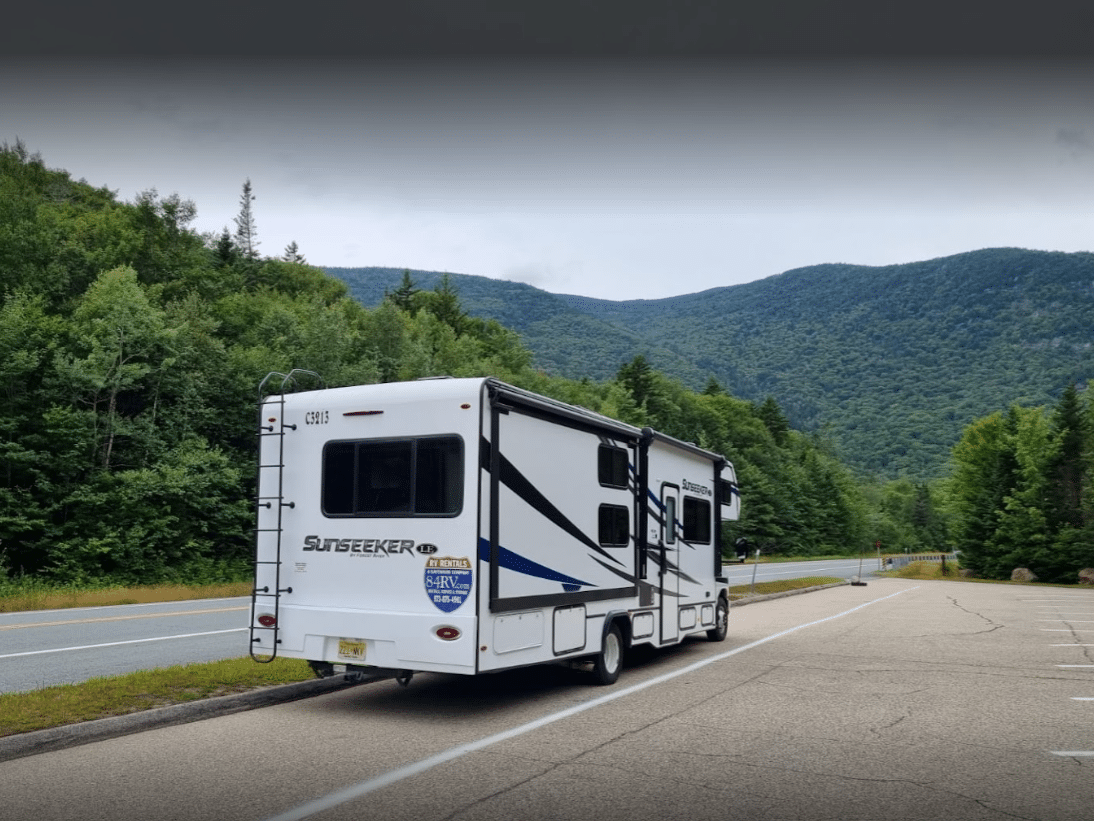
[[926, 571], [742, 591], [118, 695], [22, 596]]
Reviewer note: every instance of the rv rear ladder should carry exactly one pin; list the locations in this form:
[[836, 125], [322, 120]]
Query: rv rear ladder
[[270, 527]]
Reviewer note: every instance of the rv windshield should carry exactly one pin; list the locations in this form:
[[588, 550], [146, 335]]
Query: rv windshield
[[394, 477]]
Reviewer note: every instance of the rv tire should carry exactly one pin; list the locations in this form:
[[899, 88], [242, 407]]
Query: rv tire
[[721, 621], [609, 661]]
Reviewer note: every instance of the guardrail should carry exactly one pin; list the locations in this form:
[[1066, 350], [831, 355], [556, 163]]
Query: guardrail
[[893, 561]]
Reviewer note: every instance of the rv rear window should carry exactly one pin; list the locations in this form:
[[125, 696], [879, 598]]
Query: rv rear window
[[696, 520], [614, 526], [612, 466], [394, 477]]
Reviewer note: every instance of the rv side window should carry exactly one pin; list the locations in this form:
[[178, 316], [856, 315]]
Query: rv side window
[[614, 526], [612, 466], [696, 520], [402, 477]]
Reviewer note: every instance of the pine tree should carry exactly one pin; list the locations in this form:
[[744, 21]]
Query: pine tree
[[292, 254], [224, 250], [403, 296], [1065, 471], [246, 236], [774, 420]]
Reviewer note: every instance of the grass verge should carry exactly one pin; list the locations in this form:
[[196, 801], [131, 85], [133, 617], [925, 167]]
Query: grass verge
[[743, 591], [927, 571], [21, 597], [119, 695]]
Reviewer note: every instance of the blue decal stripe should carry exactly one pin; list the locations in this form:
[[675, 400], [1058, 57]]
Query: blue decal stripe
[[519, 564], [517, 482]]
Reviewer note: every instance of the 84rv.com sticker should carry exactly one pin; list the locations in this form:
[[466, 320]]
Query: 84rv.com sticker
[[447, 581]]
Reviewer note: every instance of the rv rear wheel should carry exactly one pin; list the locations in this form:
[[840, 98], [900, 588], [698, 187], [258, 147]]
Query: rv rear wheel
[[609, 662], [721, 622]]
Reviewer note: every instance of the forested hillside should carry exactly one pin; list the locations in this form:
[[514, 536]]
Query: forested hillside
[[131, 348], [566, 341], [890, 363]]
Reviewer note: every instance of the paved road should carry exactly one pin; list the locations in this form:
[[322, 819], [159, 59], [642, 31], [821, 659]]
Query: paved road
[[48, 647], [840, 568], [68, 646], [903, 701]]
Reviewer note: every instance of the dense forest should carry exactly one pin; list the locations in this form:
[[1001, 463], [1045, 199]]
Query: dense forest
[[1023, 490], [132, 348], [890, 363]]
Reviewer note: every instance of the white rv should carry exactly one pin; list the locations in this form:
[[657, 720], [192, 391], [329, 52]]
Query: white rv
[[467, 526]]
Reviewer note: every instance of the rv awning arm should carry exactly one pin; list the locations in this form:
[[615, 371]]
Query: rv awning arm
[[544, 406]]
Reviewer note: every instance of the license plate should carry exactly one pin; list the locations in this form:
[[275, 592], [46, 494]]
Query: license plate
[[351, 649]]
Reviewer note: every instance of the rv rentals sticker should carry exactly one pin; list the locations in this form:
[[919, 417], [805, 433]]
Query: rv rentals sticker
[[447, 581]]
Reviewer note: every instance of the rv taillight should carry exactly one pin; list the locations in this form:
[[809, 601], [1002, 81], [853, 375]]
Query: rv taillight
[[447, 633], [267, 620]]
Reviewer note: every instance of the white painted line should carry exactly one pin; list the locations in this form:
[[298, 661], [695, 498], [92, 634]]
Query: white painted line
[[339, 797], [1074, 753], [26, 625], [1071, 645], [1074, 621], [116, 643], [1057, 630], [1082, 698], [1088, 666]]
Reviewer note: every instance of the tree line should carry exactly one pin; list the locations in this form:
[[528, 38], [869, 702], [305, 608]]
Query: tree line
[[131, 348], [1022, 491]]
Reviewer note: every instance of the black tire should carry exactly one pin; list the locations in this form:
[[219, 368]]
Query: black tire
[[609, 661], [322, 669], [721, 621]]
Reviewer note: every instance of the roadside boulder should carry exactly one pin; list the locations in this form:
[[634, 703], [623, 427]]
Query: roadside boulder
[[1023, 574], [1086, 575]]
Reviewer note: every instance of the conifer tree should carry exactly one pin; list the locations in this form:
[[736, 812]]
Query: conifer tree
[[292, 254], [246, 235]]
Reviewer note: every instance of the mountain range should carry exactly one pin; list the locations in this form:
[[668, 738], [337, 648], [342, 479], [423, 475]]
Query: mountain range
[[887, 363]]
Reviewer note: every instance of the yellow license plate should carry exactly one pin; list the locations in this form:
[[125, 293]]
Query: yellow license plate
[[351, 649]]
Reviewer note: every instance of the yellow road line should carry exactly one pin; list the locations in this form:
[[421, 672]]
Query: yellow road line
[[119, 618]]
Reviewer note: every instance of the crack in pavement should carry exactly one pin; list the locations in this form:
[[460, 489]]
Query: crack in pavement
[[924, 785], [994, 625]]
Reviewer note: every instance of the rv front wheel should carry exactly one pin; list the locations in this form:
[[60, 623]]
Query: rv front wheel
[[609, 662], [721, 622]]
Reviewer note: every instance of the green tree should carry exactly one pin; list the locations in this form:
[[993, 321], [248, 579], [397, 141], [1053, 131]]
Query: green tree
[[292, 254], [246, 235], [119, 339], [403, 296]]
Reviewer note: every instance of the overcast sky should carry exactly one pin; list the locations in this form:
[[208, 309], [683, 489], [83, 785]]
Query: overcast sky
[[617, 171]]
